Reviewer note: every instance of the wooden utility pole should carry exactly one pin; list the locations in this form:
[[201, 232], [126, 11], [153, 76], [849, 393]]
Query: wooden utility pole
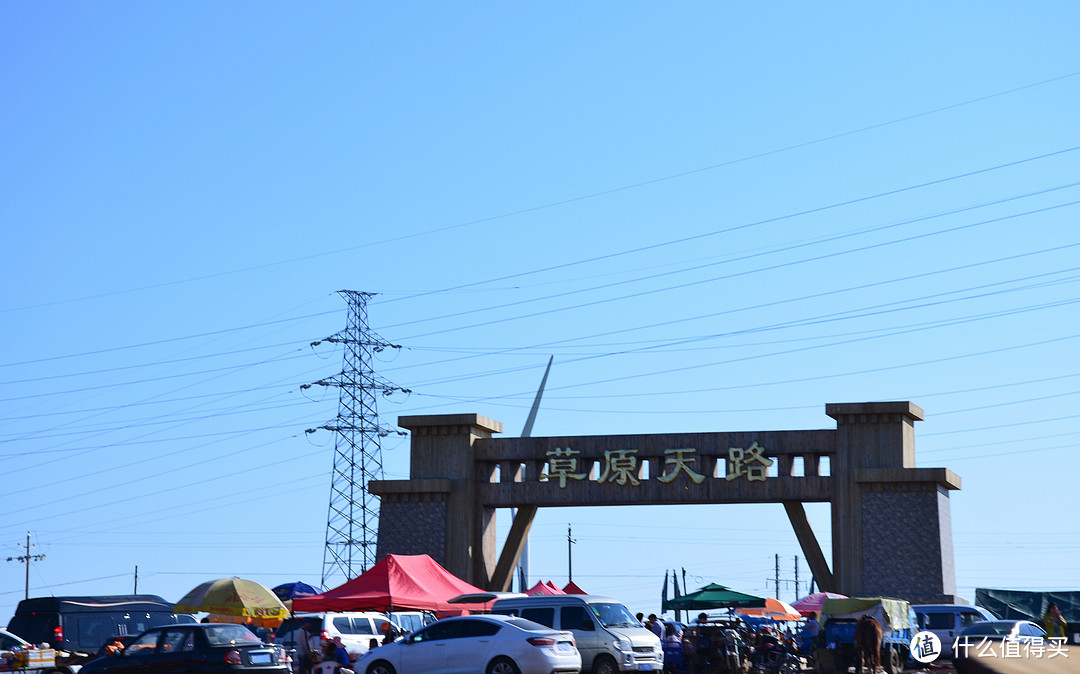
[[570, 553], [26, 559]]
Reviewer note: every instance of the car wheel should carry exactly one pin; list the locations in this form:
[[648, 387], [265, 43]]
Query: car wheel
[[604, 664], [381, 667], [503, 665]]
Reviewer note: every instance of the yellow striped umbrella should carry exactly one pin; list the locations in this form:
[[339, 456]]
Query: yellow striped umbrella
[[235, 597]]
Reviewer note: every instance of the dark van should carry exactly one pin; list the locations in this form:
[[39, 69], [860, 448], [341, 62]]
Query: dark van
[[80, 625]]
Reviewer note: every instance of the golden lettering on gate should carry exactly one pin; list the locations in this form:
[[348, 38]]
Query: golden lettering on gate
[[619, 467], [678, 461], [561, 464], [748, 462]]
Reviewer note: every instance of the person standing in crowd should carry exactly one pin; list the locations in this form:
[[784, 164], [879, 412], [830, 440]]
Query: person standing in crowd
[[655, 625], [304, 648], [1054, 622]]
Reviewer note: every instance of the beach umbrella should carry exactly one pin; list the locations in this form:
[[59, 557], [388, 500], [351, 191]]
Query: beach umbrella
[[774, 609], [814, 602], [289, 591], [235, 597]]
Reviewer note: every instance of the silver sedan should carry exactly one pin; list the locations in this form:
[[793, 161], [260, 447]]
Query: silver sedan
[[481, 644]]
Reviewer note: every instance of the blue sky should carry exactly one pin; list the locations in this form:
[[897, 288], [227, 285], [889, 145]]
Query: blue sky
[[715, 216]]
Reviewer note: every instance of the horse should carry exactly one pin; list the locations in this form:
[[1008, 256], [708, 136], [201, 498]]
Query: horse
[[868, 643]]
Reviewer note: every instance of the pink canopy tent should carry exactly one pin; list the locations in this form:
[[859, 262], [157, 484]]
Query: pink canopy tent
[[572, 588], [414, 582], [543, 588], [814, 602]]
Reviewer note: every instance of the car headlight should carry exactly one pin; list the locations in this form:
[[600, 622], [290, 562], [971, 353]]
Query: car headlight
[[623, 645]]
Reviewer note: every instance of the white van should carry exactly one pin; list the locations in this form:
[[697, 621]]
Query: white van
[[946, 621], [608, 636]]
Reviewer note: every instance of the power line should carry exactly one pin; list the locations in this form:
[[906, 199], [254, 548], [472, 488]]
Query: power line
[[561, 202], [168, 340], [756, 270], [796, 214]]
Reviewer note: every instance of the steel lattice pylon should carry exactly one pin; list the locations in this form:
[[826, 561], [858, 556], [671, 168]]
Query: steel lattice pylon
[[353, 520]]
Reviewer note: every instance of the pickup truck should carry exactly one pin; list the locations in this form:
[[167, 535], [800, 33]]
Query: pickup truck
[[835, 648]]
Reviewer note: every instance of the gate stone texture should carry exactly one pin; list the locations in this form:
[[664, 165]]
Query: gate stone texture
[[891, 526]]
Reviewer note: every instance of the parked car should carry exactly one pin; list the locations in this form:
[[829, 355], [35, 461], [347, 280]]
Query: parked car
[[493, 644], [355, 629], [202, 648], [79, 626], [410, 621], [973, 638], [9, 641], [948, 620], [608, 636]]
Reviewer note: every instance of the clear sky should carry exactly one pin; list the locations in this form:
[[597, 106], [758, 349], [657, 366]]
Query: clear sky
[[716, 217]]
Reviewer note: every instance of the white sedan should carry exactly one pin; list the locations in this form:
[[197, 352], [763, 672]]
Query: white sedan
[[480, 644]]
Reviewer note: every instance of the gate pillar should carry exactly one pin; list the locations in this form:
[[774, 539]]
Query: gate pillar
[[891, 523], [435, 511]]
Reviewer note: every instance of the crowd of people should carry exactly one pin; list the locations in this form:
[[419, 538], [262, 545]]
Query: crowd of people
[[707, 641], [315, 655]]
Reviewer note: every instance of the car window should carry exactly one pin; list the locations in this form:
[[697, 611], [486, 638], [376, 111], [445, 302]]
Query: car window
[[363, 625], [940, 621], [409, 622], [476, 628], [7, 642], [527, 625], [967, 618], [343, 624], [230, 635], [544, 616], [613, 615], [436, 632], [989, 629], [93, 630], [143, 644], [575, 618], [177, 641]]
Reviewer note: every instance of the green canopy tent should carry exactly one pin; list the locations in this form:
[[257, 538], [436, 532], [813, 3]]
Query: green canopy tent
[[713, 596]]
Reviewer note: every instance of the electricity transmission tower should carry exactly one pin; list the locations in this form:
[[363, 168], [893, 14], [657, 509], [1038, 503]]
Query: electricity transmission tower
[[353, 519]]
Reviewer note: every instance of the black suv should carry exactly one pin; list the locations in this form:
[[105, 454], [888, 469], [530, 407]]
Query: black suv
[[78, 626]]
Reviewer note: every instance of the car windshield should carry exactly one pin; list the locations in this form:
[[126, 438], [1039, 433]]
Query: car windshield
[[613, 615], [990, 629], [230, 635]]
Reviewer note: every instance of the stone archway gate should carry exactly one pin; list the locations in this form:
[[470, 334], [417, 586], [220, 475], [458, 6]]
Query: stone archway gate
[[891, 524]]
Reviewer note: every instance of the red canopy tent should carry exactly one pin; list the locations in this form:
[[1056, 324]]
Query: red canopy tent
[[572, 588], [414, 582], [542, 588]]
